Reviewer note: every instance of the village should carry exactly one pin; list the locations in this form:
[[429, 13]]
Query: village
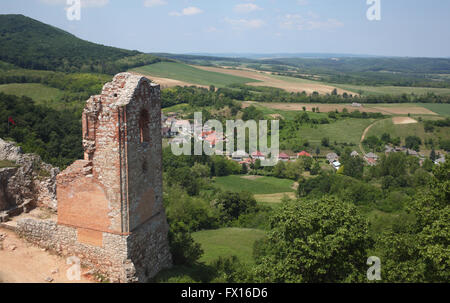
[[181, 131]]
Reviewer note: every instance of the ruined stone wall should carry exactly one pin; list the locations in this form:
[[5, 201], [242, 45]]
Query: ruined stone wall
[[30, 183], [109, 259], [134, 258], [144, 154], [117, 189]]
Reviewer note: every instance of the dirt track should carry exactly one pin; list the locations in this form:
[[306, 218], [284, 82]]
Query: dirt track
[[21, 262]]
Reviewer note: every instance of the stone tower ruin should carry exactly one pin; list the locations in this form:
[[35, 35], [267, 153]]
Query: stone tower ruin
[[110, 210]]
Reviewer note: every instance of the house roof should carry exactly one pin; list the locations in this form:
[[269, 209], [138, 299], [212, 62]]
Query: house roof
[[332, 156], [354, 153], [283, 156], [304, 154], [258, 154], [371, 156], [239, 153]]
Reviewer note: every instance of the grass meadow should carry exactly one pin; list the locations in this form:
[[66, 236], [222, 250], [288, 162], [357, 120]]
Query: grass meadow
[[227, 242]]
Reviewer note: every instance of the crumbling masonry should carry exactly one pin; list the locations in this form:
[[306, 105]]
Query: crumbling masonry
[[110, 211]]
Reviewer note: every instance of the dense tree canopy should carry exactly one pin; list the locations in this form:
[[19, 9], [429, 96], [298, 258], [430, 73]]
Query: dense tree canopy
[[314, 241]]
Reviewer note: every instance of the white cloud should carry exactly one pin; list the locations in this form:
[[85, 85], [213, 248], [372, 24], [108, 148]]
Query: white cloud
[[152, 3], [188, 11], [311, 22], [245, 23], [246, 8], [302, 2], [84, 3]]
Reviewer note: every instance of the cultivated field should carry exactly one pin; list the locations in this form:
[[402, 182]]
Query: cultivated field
[[441, 109], [187, 75], [386, 109], [393, 90], [289, 84], [227, 242]]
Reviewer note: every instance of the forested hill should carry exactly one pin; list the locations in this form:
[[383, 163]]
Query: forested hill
[[31, 44]]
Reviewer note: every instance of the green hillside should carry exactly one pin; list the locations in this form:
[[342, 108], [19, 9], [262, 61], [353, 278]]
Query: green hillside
[[36, 91], [31, 44], [187, 73]]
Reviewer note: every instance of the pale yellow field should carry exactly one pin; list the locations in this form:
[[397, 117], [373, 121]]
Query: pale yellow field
[[274, 198], [266, 79], [165, 82], [403, 120]]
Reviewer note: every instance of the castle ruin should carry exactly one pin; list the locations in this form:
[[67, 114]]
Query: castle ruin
[[110, 210]]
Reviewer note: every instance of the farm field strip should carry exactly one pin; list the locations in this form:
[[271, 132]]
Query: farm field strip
[[187, 74], [394, 90], [289, 84]]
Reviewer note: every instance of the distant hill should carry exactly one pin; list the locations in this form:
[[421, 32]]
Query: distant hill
[[31, 44]]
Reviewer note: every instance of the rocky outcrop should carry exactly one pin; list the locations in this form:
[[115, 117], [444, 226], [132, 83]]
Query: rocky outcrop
[[29, 182]]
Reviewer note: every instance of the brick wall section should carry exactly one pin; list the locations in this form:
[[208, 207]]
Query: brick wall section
[[110, 209], [133, 258]]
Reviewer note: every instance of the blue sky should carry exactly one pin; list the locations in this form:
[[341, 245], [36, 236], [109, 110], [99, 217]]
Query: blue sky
[[406, 28]]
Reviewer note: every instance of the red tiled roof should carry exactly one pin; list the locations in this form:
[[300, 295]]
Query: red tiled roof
[[304, 154], [283, 156], [257, 154]]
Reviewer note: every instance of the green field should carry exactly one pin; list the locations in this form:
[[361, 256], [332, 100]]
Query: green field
[[394, 90], [257, 186], [441, 109], [348, 130], [226, 242], [405, 130], [38, 92], [187, 73]]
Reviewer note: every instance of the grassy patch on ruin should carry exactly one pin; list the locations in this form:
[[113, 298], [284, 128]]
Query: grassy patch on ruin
[[7, 164]]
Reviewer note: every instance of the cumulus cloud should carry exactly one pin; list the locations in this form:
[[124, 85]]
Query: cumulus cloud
[[188, 11], [245, 23], [153, 3], [84, 3], [246, 8]]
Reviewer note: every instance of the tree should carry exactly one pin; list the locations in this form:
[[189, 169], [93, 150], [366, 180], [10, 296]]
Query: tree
[[413, 142], [183, 248], [354, 167], [244, 169], [433, 155], [315, 242], [232, 205], [317, 151], [279, 170], [419, 252], [325, 142], [315, 170], [372, 142]]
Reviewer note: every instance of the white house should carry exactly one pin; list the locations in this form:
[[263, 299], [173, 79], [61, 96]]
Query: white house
[[336, 164], [239, 155]]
